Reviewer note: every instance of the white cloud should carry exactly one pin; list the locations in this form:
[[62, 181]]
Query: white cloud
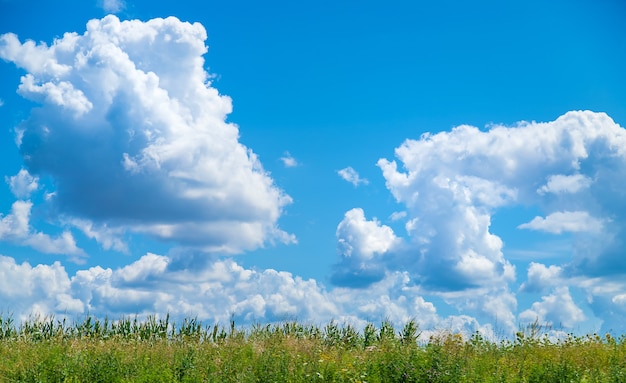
[[390, 298], [361, 238], [541, 277], [109, 238], [289, 161], [42, 289], [566, 221], [61, 94], [138, 137], [360, 242], [397, 215], [22, 184], [351, 175], [113, 6], [557, 309], [560, 183], [16, 224], [452, 183], [15, 227], [216, 293]]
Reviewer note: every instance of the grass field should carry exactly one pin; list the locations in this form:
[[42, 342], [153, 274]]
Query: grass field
[[156, 350]]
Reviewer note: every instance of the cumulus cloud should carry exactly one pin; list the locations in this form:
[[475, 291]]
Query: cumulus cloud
[[15, 228], [289, 161], [360, 242], [541, 277], [40, 290], [565, 184], [557, 309], [135, 136], [22, 184], [216, 293], [351, 175], [570, 221], [452, 183]]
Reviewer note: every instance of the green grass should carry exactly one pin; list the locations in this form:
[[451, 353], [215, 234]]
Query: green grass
[[157, 350]]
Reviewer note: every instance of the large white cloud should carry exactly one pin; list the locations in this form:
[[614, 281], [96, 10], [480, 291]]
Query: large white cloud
[[135, 136], [216, 293], [452, 183]]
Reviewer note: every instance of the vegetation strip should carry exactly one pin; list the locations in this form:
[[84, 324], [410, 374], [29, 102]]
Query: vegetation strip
[[157, 350]]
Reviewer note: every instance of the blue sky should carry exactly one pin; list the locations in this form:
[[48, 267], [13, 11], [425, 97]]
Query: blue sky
[[460, 163]]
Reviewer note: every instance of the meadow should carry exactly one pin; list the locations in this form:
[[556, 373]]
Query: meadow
[[157, 350]]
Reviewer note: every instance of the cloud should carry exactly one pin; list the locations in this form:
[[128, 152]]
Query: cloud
[[566, 221], [360, 242], [134, 137], [351, 175], [112, 6], [108, 238], [16, 224], [222, 291], [43, 289], [452, 183], [397, 215], [541, 277], [216, 293], [289, 161], [22, 184], [559, 183], [15, 227], [557, 309]]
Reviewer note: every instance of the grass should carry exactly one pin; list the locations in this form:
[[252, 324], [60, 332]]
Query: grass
[[157, 350]]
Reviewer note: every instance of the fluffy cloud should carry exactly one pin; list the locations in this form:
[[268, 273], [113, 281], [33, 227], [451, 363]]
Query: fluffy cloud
[[135, 137], [215, 293], [452, 183], [15, 227], [565, 184], [571, 221], [557, 309], [351, 175], [22, 184], [540, 277], [39, 290], [360, 243]]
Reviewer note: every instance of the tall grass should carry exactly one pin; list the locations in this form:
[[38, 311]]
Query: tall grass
[[159, 350]]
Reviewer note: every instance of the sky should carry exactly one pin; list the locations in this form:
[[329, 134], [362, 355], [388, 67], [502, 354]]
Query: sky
[[457, 163]]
